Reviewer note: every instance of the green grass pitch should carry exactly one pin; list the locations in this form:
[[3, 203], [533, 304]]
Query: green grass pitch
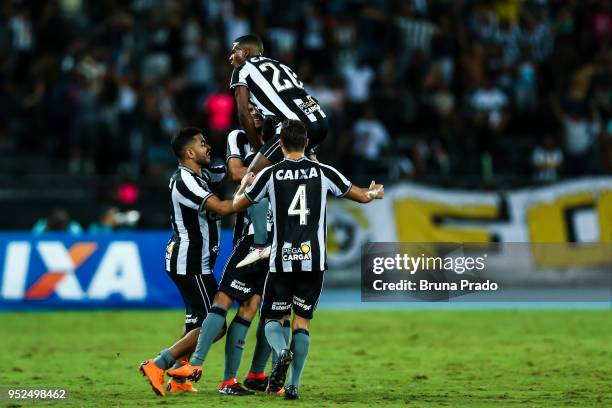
[[416, 358]]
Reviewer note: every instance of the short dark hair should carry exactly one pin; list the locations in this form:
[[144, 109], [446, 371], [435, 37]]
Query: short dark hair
[[253, 40], [183, 139], [293, 135]]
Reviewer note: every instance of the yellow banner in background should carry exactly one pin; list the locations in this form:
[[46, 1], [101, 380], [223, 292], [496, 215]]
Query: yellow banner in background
[[578, 211]]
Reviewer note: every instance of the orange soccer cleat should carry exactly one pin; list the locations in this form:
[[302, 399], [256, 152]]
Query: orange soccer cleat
[[155, 375], [187, 371], [175, 386]]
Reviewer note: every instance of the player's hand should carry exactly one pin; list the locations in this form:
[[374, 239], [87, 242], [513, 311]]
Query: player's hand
[[376, 191], [247, 180]]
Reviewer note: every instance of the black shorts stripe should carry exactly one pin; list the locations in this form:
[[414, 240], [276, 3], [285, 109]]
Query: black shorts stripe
[[203, 292], [229, 258], [213, 240]]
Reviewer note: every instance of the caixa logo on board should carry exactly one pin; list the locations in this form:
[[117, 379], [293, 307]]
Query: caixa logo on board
[[81, 271]]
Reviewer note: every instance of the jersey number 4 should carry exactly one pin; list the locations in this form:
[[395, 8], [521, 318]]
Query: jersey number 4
[[284, 84], [298, 204]]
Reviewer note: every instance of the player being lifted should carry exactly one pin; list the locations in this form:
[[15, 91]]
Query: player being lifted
[[297, 188], [192, 251], [277, 92]]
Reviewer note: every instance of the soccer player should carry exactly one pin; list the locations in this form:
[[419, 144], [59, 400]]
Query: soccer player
[[277, 92], [297, 188], [239, 155], [244, 285], [192, 251]]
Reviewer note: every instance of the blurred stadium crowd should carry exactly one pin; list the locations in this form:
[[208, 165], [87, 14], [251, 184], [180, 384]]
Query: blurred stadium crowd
[[432, 90]]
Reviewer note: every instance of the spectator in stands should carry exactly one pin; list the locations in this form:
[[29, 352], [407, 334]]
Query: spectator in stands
[[149, 67], [490, 116], [58, 221], [483, 22], [415, 31], [525, 83], [370, 138], [357, 78], [576, 116], [111, 219], [107, 222], [547, 160]]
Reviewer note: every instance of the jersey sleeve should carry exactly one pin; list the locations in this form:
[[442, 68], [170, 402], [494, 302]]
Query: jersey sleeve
[[191, 193], [233, 148], [239, 76], [335, 181], [260, 187]]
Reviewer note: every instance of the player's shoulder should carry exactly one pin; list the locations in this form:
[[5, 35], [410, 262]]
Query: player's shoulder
[[176, 174], [296, 167], [190, 178], [319, 165], [240, 71], [269, 171], [175, 177], [236, 135], [328, 171], [276, 166], [181, 174]]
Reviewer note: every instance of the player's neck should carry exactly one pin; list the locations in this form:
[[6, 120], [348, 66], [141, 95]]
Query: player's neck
[[294, 155], [196, 168]]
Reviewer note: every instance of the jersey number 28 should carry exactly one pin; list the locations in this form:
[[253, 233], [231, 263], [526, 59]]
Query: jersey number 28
[[284, 84], [298, 204]]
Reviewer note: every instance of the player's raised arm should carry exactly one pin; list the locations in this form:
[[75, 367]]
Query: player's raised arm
[[340, 186]]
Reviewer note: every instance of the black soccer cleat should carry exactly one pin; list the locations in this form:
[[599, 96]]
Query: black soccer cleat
[[291, 392], [233, 387], [256, 384], [279, 372]]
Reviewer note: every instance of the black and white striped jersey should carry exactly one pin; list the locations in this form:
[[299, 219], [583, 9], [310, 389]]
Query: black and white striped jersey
[[194, 245], [276, 90], [238, 147], [298, 190]]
